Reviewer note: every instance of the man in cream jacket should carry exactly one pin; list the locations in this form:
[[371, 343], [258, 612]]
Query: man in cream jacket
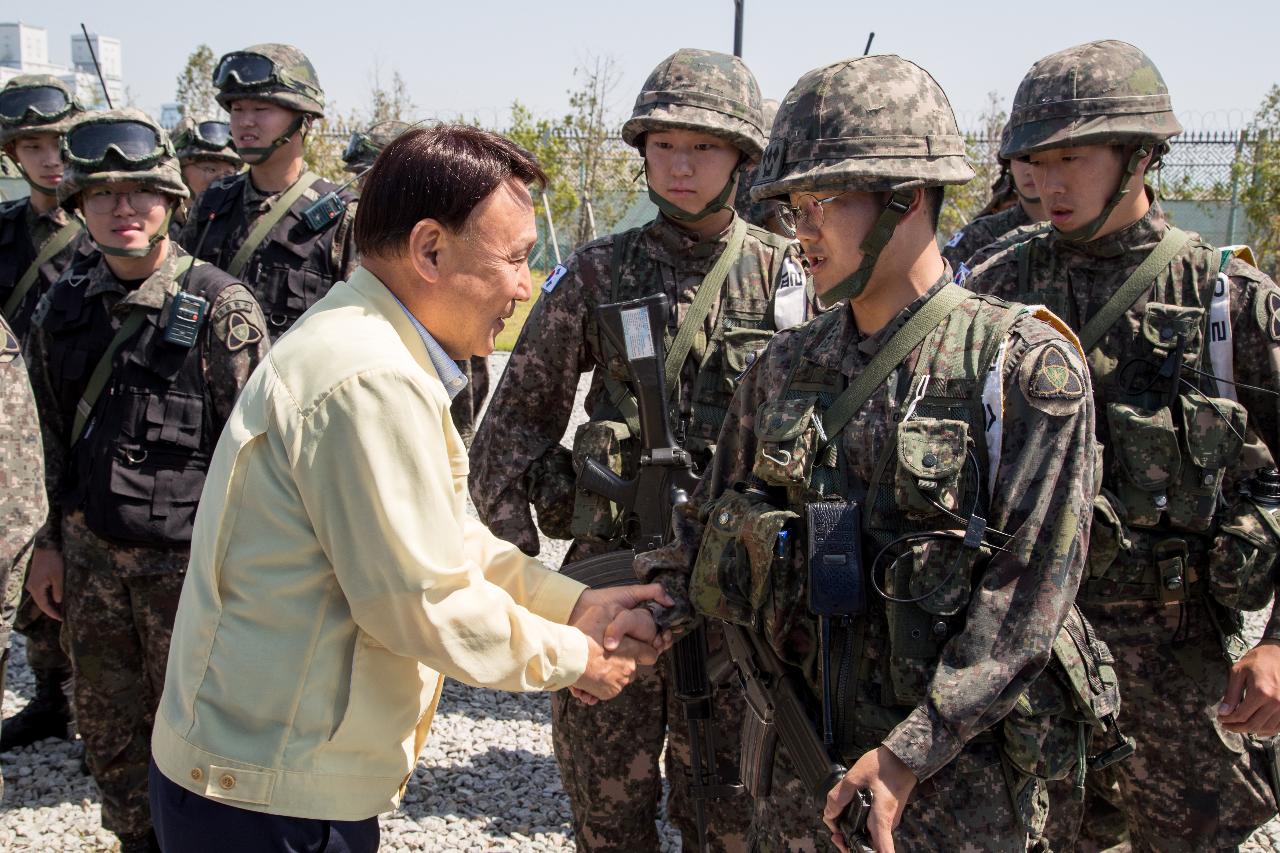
[[335, 576]]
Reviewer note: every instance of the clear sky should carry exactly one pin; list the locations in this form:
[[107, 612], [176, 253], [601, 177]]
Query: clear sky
[[474, 57]]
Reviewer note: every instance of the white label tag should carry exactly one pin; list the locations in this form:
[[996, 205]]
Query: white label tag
[[636, 333], [1220, 353]]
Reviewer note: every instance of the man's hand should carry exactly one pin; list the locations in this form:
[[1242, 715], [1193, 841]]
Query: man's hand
[[620, 636], [44, 581], [1252, 702], [618, 604], [890, 782]]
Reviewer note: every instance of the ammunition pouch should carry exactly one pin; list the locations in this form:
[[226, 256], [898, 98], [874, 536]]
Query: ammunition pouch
[[732, 349], [1146, 448], [597, 519], [931, 457], [787, 433], [549, 483], [1243, 557]]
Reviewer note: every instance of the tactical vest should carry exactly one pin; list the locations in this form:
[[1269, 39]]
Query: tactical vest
[[745, 324], [138, 469], [293, 267], [17, 253], [1174, 434], [932, 477]]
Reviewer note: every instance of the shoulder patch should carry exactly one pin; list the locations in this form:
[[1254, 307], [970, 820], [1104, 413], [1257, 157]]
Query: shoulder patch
[[1052, 375], [1267, 312], [955, 239], [962, 273], [9, 347], [554, 279]]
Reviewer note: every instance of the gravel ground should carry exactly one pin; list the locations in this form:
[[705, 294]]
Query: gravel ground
[[487, 779]]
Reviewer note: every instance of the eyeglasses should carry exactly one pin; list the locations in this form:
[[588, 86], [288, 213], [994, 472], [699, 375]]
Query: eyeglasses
[[103, 200], [27, 102], [89, 143], [247, 69], [212, 170], [807, 214]]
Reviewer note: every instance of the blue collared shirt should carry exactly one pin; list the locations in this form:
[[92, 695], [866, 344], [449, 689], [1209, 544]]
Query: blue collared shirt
[[454, 379]]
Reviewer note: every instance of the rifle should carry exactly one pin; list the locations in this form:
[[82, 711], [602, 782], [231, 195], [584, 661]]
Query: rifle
[[663, 481]]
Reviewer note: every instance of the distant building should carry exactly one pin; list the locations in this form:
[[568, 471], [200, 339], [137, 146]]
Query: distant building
[[170, 115], [24, 49]]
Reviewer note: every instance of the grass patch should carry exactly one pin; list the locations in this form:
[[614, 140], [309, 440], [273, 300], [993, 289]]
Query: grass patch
[[507, 340]]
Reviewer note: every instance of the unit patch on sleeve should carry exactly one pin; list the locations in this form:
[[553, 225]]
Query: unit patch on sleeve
[[1268, 311], [1053, 377]]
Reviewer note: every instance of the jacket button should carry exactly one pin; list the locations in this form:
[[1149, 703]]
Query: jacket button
[[929, 460], [196, 774], [1166, 333], [227, 781], [939, 629]]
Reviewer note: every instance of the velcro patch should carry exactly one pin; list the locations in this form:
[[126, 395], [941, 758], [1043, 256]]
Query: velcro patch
[[771, 162], [9, 348], [955, 239], [554, 279], [240, 331], [1054, 377], [1268, 313]]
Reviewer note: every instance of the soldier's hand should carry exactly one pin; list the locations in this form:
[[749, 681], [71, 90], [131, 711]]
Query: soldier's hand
[[890, 782], [619, 605], [608, 670], [1252, 702], [44, 581]]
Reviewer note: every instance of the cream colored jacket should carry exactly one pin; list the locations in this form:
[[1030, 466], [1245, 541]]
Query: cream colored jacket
[[335, 578]]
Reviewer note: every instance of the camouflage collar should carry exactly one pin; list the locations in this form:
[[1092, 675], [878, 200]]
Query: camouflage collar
[[151, 293], [1137, 236], [256, 201], [842, 347], [684, 245]]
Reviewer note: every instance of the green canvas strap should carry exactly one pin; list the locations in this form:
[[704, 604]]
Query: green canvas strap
[[898, 347], [268, 221], [102, 372], [55, 244], [1173, 242]]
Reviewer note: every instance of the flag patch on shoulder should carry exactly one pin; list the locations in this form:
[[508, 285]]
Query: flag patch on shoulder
[[554, 279]]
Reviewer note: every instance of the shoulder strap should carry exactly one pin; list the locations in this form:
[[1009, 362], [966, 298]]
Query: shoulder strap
[[1173, 242], [55, 244], [102, 372], [706, 297], [268, 221], [898, 347]]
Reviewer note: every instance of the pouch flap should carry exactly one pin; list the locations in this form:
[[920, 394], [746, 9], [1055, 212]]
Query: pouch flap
[[1161, 325], [741, 346], [932, 448], [784, 420], [1214, 427], [1146, 445]]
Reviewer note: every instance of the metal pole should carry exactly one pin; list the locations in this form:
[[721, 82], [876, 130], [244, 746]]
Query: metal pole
[[551, 227], [1235, 190], [591, 217], [737, 27], [96, 67], [870, 39]]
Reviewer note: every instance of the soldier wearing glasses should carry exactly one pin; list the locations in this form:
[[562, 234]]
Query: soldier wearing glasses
[[206, 155], [282, 229], [137, 356]]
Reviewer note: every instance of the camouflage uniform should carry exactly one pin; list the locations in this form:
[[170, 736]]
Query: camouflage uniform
[[982, 232], [24, 232], [609, 752], [23, 505], [295, 264], [362, 150], [947, 662], [123, 496], [1164, 581]]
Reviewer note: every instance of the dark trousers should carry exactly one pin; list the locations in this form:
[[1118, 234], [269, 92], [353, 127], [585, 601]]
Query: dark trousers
[[189, 823]]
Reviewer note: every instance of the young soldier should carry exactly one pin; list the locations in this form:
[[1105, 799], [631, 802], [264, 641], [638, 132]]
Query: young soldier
[[1026, 209], [37, 241], [275, 226], [697, 123], [1184, 348], [944, 436], [137, 356], [206, 155]]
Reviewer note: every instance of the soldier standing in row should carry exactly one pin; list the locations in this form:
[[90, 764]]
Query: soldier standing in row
[[206, 155], [914, 410], [23, 504], [38, 239], [697, 123], [276, 226], [1184, 348], [137, 356], [362, 150]]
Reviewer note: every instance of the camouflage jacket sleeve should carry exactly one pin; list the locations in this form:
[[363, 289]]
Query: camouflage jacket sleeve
[[23, 504], [966, 241], [237, 341], [1042, 497], [52, 433], [530, 408]]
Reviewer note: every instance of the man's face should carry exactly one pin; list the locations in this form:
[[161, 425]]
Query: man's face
[[486, 271], [124, 214], [40, 156], [1075, 184], [832, 248], [1024, 181], [257, 124], [688, 168], [198, 174]]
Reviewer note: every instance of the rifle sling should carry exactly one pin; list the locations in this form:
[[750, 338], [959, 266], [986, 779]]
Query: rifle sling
[[102, 372], [1173, 242], [55, 244], [268, 221]]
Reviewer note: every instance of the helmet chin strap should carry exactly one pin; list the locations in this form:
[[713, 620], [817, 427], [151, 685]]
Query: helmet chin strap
[[716, 204], [1090, 229], [141, 251], [34, 185], [1025, 198], [256, 156], [872, 245]]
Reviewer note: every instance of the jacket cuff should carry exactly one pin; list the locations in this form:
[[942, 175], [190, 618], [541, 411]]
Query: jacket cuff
[[923, 744], [556, 597], [50, 535]]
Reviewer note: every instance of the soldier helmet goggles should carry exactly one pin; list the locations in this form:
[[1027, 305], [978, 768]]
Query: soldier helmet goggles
[[213, 135], [22, 104], [90, 144], [253, 70]]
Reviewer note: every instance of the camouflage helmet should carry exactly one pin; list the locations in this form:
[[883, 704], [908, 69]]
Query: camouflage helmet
[[102, 160], [24, 111], [365, 145], [277, 73], [1100, 93], [204, 138], [701, 90], [871, 124]]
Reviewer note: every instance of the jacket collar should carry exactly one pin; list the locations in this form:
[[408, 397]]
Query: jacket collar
[[384, 303]]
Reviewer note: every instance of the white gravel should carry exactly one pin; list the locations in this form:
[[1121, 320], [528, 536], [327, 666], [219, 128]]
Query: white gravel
[[487, 779]]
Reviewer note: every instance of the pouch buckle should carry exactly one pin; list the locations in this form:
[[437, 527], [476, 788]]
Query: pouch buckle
[[1172, 576]]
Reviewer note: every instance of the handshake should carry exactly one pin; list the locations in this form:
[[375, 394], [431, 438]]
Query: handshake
[[621, 635]]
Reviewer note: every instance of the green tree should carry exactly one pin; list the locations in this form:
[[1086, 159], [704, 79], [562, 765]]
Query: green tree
[[545, 140], [603, 164], [196, 93], [387, 104], [964, 201], [1258, 172]]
